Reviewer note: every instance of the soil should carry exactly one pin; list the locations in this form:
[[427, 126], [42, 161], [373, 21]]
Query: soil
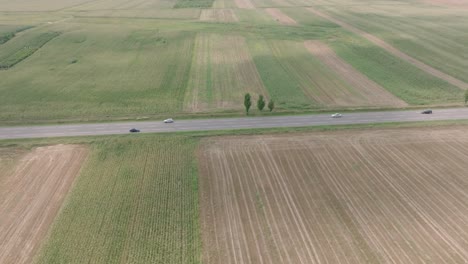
[[31, 195], [372, 196]]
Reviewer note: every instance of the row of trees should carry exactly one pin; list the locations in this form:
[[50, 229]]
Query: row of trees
[[260, 103], [271, 105]]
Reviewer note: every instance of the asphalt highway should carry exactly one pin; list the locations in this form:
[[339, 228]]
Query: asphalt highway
[[229, 123]]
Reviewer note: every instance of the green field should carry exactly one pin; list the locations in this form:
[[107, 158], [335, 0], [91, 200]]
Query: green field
[[140, 59], [406, 81], [136, 201], [436, 36]]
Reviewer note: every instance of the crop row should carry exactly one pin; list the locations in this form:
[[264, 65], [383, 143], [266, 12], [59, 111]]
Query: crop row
[[27, 50], [135, 202]]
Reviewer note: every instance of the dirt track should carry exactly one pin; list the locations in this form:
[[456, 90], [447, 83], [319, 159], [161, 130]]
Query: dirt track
[[281, 17], [368, 89], [379, 42], [376, 196], [31, 195]]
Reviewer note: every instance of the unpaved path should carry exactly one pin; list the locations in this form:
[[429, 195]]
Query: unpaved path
[[379, 42], [281, 17], [372, 196], [370, 90], [31, 196]]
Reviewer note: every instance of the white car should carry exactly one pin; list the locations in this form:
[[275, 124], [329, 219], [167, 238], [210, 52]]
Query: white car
[[169, 120], [336, 115]]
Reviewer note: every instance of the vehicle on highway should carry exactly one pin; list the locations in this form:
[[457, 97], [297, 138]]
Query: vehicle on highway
[[169, 120], [134, 130], [427, 111], [336, 115]]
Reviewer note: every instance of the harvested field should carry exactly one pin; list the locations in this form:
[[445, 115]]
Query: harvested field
[[371, 91], [222, 72], [281, 17], [244, 4], [31, 195], [373, 196], [218, 15], [379, 42]]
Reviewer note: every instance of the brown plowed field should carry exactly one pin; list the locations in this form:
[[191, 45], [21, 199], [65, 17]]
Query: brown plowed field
[[281, 17], [368, 89], [379, 42], [374, 196], [31, 195], [218, 15]]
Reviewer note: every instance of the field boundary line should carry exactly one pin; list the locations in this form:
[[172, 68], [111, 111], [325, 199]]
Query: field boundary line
[[381, 43], [360, 82]]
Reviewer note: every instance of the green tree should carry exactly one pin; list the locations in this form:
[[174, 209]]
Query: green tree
[[260, 102], [466, 96], [271, 105], [247, 103]]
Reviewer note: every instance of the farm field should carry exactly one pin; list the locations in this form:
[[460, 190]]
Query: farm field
[[223, 71], [407, 82], [72, 61], [371, 196], [434, 35], [135, 201], [346, 196], [99, 70], [33, 186]]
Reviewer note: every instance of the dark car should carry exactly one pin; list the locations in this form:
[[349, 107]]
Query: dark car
[[427, 111], [134, 130]]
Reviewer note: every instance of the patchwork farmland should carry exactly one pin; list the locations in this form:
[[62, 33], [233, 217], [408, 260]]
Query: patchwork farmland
[[378, 196], [352, 196], [74, 60], [33, 186], [134, 202]]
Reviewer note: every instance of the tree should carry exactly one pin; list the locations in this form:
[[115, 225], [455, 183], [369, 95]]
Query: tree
[[260, 103], [271, 105], [247, 103], [466, 96]]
